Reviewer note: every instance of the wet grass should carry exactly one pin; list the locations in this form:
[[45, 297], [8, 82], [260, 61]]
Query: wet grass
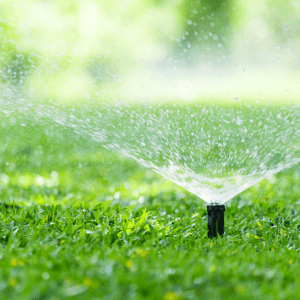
[[80, 222]]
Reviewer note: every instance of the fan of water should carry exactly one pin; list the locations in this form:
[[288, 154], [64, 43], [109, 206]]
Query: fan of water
[[214, 152], [213, 149]]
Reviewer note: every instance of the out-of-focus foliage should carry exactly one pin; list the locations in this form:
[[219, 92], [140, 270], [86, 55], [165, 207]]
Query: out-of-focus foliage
[[78, 42], [67, 49], [264, 26], [207, 27]]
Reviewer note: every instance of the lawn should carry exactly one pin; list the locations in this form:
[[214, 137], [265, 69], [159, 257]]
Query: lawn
[[81, 222]]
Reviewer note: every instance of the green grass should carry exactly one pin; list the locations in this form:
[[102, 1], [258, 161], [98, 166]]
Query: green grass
[[80, 222]]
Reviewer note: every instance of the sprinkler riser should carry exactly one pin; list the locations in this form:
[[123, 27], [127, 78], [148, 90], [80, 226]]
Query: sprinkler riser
[[215, 220]]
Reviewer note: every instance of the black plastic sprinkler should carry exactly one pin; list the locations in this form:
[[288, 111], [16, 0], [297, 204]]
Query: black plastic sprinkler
[[215, 220]]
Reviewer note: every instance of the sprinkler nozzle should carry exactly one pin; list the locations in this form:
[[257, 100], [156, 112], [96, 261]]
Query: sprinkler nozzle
[[215, 220]]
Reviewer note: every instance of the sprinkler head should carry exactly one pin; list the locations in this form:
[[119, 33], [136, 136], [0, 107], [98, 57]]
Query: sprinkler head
[[215, 220]]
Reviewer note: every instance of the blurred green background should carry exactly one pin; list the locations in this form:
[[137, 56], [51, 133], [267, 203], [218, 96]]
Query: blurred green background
[[78, 49]]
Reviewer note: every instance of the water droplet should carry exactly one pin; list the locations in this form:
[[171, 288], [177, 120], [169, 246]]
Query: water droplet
[[239, 121]]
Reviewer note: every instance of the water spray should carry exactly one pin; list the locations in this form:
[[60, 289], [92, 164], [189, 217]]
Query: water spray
[[215, 220]]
